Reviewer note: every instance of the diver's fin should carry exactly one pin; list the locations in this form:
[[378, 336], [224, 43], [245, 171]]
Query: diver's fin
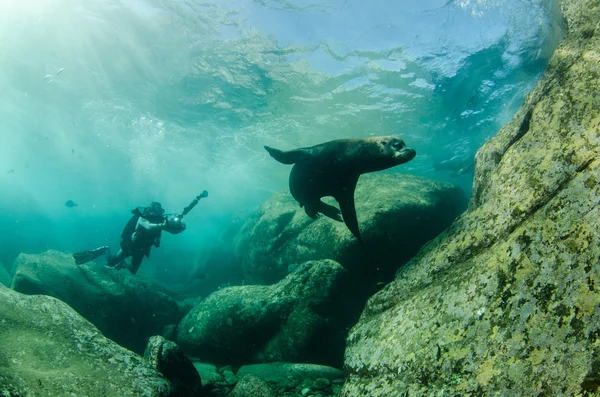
[[289, 157], [89, 255], [346, 200]]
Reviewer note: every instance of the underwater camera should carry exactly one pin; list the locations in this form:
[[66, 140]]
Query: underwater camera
[[175, 224]]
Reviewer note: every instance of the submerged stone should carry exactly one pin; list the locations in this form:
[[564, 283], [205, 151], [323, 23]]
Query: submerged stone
[[167, 358], [208, 373], [48, 349], [293, 320], [252, 386], [297, 372], [121, 305], [506, 301]]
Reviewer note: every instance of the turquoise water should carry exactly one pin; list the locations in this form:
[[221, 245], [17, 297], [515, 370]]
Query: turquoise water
[[113, 104]]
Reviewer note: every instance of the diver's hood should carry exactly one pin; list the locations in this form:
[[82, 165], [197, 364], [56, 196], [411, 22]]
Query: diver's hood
[[154, 212]]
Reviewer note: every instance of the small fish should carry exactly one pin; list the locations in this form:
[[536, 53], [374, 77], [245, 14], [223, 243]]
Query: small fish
[[46, 77], [60, 71], [10, 171], [73, 151], [70, 204]]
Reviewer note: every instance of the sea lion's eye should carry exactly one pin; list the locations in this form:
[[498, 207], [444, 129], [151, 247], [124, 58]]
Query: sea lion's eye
[[398, 144]]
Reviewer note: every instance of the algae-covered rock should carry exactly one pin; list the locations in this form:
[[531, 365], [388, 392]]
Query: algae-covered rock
[[48, 349], [121, 305], [277, 372], [506, 302], [291, 320], [252, 386], [396, 213], [167, 358]]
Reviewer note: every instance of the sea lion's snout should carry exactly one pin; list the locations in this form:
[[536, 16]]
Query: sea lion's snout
[[405, 154]]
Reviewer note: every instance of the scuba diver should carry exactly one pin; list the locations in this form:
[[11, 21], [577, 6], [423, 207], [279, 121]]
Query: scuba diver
[[142, 231]]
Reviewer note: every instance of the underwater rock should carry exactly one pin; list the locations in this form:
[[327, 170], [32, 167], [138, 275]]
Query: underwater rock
[[293, 320], [122, 306], [5, 277], [280, 372], [168, 359], [49, 350], [296, 379], [506, 302], [397, 214], [252, 386], [208, 373]]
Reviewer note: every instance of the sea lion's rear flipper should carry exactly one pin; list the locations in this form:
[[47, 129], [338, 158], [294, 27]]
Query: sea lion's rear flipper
[[289, 157], [329, 211]]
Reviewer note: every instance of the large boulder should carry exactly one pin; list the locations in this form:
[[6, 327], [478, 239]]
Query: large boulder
[[294, 320], [49, 350], [121, 305], [507, 302], [396, 213]]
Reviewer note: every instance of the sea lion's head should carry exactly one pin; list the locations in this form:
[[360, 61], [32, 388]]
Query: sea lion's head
[[385, 152], [398, 150]]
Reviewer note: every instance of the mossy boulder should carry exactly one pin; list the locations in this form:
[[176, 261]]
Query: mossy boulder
[[506, 302], [48, 349], [396, 213], [280, 375], [251, 386], [121, 305], [293, 320]]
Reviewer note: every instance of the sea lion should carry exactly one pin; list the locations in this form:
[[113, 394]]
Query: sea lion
[[333, 168]]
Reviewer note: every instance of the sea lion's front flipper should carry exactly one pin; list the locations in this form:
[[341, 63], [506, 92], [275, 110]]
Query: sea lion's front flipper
[[346, 200], [289, 157], [329, 211], [311, 211]]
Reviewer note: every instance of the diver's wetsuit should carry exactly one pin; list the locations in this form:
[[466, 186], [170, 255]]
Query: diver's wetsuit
[[142, 231]]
